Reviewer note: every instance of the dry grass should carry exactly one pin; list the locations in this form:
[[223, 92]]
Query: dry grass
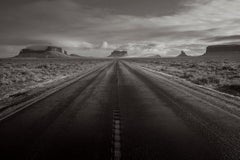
[[220, 74], [19, 75]]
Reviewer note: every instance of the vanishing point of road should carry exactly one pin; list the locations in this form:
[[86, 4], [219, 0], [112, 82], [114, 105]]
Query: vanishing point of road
[[122, 111]]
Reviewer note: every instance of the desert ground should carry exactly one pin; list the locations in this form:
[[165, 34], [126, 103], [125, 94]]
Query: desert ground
[[220, 73], [119, 108], [23, 77]]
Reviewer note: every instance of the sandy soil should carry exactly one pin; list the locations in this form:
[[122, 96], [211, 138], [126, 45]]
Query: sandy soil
[[25, 77], [216, 73]]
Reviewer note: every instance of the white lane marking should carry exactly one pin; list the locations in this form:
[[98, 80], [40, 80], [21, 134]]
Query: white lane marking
[[116, 150]]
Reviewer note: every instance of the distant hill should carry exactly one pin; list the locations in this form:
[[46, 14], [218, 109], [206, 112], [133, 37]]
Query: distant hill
[[117, 53], [77, 56], [42, 52], [154, 56], [82, 57], [182, 55], [223, 50], [148, 55]]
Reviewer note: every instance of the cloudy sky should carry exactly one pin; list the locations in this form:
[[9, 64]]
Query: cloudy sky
[[96, 27]]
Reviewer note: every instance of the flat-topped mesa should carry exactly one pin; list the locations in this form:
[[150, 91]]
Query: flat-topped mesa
[[223, 50], [117, 53], [42, 52]]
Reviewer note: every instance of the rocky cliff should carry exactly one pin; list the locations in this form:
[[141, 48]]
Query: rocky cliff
[[117, 53], [223, 50], [42, 52], [182, 55]]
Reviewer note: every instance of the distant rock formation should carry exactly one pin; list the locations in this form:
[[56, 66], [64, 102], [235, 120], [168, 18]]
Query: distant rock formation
[[182, 55], [149, 55], [155, 56], [117, 53], [42, 52], [76, 55], [223, 50]]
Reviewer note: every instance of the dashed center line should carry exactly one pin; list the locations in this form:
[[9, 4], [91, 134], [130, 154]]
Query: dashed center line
[[116, 146], [116, 128]]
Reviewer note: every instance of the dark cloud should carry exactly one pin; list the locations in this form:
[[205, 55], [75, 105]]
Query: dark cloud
[[222, 38], [85, 24], [138, 7], [22, 41]]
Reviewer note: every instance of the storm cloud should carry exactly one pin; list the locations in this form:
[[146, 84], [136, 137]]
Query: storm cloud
[[95, 27]]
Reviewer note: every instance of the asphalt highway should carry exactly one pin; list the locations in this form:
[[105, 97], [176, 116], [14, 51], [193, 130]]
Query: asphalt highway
[[123, 112]]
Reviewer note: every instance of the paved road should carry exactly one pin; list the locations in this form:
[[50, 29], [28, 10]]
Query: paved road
[[122, 112]]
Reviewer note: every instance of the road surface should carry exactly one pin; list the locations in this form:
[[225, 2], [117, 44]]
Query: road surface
[[123, 112]]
